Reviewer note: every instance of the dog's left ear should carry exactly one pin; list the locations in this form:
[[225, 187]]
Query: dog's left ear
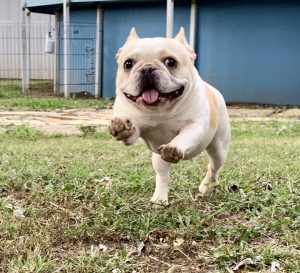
[[132, 36], [182, 39]]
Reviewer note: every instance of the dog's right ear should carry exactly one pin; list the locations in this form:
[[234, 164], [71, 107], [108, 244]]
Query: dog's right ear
[[132, 36], [182, 39]]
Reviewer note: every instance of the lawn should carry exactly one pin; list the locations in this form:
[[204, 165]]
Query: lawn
[[12, 98], [64, 199]]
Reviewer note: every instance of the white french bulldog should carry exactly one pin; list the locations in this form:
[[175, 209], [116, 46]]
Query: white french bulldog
[[161, 98]]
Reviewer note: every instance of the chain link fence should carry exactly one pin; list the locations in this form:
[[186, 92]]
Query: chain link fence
[[32, 59]]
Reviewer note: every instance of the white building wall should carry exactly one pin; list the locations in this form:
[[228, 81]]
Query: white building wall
[[41, 64]]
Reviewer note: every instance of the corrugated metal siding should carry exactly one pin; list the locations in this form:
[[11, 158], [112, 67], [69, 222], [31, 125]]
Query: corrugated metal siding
[[11, 11], [247, 49], [82, 51], [11, 46], [149, 20], [251, 50]]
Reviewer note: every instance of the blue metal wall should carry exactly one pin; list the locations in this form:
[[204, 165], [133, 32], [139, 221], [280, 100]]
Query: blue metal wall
[[82, 49], [149, 20], [250, 50]]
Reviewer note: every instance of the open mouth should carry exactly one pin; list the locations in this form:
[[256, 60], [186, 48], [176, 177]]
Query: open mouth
[[154, 97]]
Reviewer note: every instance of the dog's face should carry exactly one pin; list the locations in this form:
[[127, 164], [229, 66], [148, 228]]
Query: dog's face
[[154, 71]]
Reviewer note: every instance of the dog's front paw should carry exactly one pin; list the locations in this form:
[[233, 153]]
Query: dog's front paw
[[121, 129], [170, 153], [206, 189], [160, 198]]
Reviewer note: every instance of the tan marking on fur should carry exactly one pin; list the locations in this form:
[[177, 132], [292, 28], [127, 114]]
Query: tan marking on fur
[[213, 105]]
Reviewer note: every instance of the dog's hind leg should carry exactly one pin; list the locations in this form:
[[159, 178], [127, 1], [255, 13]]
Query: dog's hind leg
[[161, 168], [217, 154]]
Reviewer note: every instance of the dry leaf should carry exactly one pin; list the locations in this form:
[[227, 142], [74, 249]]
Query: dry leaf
[[178, 242], [105, 181], [140, 247], [242, 264]]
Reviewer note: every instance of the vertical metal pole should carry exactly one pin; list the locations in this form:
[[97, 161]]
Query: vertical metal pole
[[66, 7], [98, 70], [193, 19], [56, 58], [170, 16], [25, 80], [28, 31]]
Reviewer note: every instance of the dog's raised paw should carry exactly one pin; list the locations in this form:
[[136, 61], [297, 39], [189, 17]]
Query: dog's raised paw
[[121, 129], [170, 153]]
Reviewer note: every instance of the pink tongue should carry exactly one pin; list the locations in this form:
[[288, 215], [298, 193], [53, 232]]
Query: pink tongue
[[150, 96]]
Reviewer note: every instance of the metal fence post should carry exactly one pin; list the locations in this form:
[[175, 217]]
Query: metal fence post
[[56, 59], [66, 7], [170, 16], [25, 50], [98, 70], [193, 23]]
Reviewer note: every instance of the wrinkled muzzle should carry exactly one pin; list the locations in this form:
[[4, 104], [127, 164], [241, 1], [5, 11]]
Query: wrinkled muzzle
[[152, 89]]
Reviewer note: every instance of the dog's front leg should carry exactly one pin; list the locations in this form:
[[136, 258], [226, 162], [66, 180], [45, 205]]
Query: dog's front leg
[[123, 129], [188, 139], [161, 168]]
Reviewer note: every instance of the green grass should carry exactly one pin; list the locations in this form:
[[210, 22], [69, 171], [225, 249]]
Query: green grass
[[44, 103], [12, 98], [60, 197]]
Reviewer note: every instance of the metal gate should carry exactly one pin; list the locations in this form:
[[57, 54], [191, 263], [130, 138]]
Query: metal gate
[[82, 59]]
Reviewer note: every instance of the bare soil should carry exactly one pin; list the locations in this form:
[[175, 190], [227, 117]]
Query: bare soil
[[64, 122], [70, 121]]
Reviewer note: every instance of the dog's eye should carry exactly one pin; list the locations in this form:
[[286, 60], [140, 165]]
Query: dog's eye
[[128, 64], [170, 62]]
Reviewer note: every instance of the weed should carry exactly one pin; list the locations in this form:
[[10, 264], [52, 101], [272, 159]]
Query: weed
[[61, 197]]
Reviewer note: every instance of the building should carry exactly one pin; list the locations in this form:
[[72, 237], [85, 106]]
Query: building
[[248, 49], [11, 17]]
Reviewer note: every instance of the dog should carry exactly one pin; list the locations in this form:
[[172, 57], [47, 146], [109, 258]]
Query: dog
[[161, 99]]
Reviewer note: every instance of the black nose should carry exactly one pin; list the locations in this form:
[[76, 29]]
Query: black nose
[[148, 72]]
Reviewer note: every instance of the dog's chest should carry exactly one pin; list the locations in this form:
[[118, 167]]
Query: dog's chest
[[163, 133]]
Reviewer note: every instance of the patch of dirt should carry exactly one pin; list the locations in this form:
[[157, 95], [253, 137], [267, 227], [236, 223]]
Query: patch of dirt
[[70, 121], [260, 112], [64, 122]]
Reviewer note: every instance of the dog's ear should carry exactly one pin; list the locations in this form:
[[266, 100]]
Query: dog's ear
[[182, 39], [132, 36]]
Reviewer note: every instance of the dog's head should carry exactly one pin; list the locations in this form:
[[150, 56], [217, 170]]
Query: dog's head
[[154, 71]]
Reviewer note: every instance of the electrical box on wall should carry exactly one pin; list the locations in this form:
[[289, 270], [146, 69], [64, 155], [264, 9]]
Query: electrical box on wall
[[49, 43]]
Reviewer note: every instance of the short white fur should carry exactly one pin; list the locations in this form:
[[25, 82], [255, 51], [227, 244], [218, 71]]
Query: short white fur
[[179, 129]]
